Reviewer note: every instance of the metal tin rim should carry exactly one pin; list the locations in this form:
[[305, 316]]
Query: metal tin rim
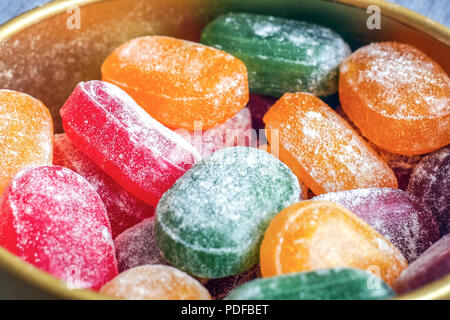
[[439, 289]]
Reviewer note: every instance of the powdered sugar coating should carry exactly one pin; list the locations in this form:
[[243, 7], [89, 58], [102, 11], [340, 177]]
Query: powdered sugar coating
[[322, 284], [124, 210], [52, 218], [433, 264], [26, 132], [179, 82], [138, 152], [236, 131], [397, 96], [155, 282], [401, 164], [318, 234], [430, 182], [395, 214], [137, 247], [281, 55], [211, 222], [321, 148]]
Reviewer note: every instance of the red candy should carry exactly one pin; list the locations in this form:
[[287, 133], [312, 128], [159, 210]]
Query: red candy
[[138, 152], [52, 218], [124, 210]]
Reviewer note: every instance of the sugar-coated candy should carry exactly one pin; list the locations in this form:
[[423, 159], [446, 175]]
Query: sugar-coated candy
[[322, 284], [179, 82], [317, 234], [303, 188], [281, 55], [52, 218], [211, 222], [430, 182], [321, 148], [395, 214], [433, 264], [138, 152], [219, 288], [124, 210], [137, 247], [155, 282], [236, 131], [401, 164], [397, 96], [26, 134]]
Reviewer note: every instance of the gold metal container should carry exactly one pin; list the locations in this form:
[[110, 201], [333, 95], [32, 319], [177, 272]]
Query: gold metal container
[[45, 54]]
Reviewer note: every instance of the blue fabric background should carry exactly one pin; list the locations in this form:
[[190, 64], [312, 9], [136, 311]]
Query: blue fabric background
[[438, 10]]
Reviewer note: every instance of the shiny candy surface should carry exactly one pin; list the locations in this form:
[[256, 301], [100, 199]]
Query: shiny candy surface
[[179, 82], [319, 234]]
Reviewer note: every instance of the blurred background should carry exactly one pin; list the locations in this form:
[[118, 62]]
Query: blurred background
[[438, 10]]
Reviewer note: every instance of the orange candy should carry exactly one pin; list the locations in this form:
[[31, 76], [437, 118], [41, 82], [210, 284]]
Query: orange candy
[[321, 148], [26, 134], [397, 96], [178, 82], [155, 282], [311, 235]]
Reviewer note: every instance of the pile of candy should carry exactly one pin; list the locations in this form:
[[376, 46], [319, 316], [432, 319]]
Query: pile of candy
[[168, 183]]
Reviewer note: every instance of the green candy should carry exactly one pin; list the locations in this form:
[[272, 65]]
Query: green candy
[[211, 222], [324, 284], [281, 55]]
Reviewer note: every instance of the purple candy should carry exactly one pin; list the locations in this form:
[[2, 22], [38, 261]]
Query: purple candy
[[219, 288], [258, 106], [136, 246], [430, 183], [433, 264], [395, 214]]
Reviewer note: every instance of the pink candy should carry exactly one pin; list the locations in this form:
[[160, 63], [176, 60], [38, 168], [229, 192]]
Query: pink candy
[[395, 214], [54, 219], [431, 265], [236, 131], [430, 182], [124, 210], [138, 152]]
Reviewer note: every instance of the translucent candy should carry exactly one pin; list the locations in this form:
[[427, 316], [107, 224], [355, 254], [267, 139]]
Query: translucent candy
[[219, 288], [397, 96], [155, 282], [211, 222], [52, 218], [395, 214], [137, 247], [281, 55], [319, 234], [26, 133], [430, 182], [236, 131], [124, 210], [401, 164], [321, 148], [323, 284], [179, 82], [138, 152], [431, 265], [303, 188]]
